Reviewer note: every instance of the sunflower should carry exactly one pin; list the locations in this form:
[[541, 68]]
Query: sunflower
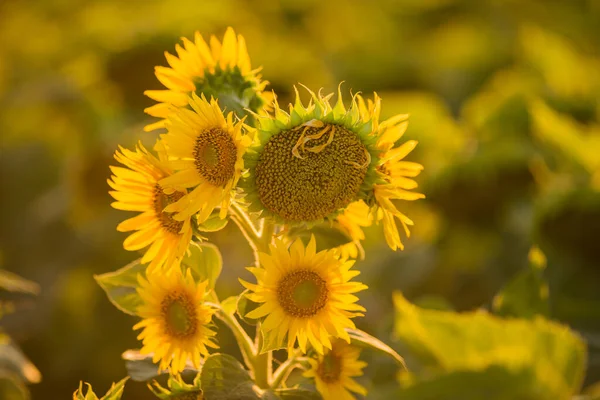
[[334, 370], [137, 188], [207, 151], [309, 164], [221, 70], [176, 321], [178, 389], [395, 172], [304, 294]]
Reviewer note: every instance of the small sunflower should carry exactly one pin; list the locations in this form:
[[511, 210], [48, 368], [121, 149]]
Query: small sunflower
[[304, 294], [176, 321], [207, 151], [393, 170], [137, 188], [220, 70], [334, 370]]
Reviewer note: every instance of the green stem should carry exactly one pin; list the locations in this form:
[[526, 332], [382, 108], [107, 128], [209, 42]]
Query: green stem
[[246, 346], [284, 370], [263, 363]]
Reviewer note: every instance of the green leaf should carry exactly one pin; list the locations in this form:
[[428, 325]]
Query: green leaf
[[302, 392], [214, 223], [141, 368], [492, 383], [205, 262], [269, 341], [244, 306], [363, 339], [527, 294], [223, 378], [480, 345], [326, 235], [12, 360], [230, 304], [14, 283], [12, 388], [120, 286]]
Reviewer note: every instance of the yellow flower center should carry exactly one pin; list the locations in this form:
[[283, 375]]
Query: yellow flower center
[[179, 315], [306, 173], [161, 200], [330, 368], [302, 293], [215, 155]]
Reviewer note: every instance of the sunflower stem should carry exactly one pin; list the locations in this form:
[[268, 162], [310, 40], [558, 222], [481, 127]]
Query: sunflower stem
[[244, 341], [284, 370], [263, 363], [242, 220]]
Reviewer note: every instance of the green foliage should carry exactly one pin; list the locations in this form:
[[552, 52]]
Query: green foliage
[[213, 223], [224, 378], [511, 358], [244, 306], [120, 286], [14, 283], [363, 339], [326, 235], [178, 389], [527, 294], [205, 262], [114, 393]]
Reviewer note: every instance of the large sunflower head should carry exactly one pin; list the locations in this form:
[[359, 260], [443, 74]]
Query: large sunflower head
[[312, 162], [137, 188], [334, 371], [218, 69], [304, 295], [206, 149], [176, 323]]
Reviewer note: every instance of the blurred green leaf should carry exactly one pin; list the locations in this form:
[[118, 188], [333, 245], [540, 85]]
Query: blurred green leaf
[[205, 262], [12, 360], [527, 294], [326, 236], [14, 283], [549, 354], [12, 388], [363, 339], [120, 286], [178, 389]]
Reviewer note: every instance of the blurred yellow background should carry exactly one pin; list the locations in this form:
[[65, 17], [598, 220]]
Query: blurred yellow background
[[504, 101]]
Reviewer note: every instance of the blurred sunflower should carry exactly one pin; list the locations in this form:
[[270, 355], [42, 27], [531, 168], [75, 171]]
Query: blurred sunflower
[[207, 151], [304, 294], [137, 188], [176, 321], [333, 372], [221, 70], [314, 162]]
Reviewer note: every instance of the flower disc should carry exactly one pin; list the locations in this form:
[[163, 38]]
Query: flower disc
[[308, 172]]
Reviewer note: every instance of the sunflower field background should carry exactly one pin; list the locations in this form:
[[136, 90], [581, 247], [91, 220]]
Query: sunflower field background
[[504, 100]]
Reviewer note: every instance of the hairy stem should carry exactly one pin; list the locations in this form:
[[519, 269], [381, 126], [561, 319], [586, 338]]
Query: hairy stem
[[284, 370], [263, 370]]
